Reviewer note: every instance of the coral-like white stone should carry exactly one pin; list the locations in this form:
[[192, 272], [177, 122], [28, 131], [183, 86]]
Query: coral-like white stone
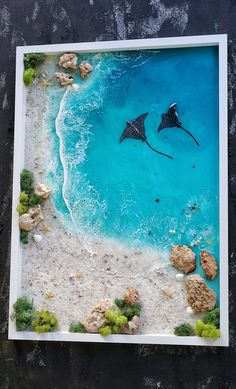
[[68, 61], [64, 79], [189, 311], [132, 326], [37, 238], [96, 319], [42, 191], [85, 69], [31, 219], [179, 277]]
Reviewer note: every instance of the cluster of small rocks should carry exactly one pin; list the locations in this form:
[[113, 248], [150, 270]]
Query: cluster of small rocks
[[69, 61], [184, 259], [199, 296], [33, 217], [96, 319]]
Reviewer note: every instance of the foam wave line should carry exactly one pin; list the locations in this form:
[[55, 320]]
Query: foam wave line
[[61, 155]]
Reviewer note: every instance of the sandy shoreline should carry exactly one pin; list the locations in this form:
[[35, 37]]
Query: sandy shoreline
[[78, 275]]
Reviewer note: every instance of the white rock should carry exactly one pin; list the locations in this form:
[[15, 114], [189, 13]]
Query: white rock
[[172, 232], [42, 191], [179, 277], [75, 87], [37, 238], [189, 311]]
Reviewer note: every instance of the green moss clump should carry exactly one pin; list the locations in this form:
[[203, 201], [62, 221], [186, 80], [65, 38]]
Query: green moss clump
[[27, 182], [35, 199], [24, 203], [213, 317], [44, 321], [29, 75], [128, 310], [31, 60], [114, 321], [206, 330], [184, 329], [77, 327], [24, 198], [24, 236], [21, 209], [114, 317], [105, 331], [23, 313]]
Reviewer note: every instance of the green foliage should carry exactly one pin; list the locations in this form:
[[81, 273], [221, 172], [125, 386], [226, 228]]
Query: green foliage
[[24, 236], [128, 310], [114, 322], [77, 327], [213, 317], [35, 199], [105, 331], [120, 303], [206, 330], [29, 75], [21, 209], [31, 60], [27, 182], [44, 321], [23, 313], [184, 329], [24, 198]]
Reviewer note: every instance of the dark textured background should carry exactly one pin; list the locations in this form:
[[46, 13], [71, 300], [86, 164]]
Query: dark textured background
[[102, 366]]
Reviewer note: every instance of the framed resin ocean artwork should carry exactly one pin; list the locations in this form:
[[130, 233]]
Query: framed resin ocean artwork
[[119, 215]]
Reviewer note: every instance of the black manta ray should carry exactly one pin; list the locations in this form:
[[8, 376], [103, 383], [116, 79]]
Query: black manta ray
[[171, 119], [135, 129]]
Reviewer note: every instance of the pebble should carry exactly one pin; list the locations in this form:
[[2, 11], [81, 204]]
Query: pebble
[[37, 238], [179, 277], [172, 232], [75, 87], [189, 311]]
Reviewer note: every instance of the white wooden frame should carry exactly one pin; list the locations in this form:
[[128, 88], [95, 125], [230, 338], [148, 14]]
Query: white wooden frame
[[16, 251]]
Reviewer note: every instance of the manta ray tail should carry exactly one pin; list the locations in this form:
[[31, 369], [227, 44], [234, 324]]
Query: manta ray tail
[[189, 134], [168, 156]]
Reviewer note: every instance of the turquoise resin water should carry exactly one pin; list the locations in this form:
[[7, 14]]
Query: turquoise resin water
[[126, 191]]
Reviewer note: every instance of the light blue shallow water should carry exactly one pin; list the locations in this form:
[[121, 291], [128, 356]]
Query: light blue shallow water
[[104, 188]]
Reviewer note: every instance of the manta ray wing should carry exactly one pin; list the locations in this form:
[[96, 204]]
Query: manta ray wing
[[170, 119], [135, 129]]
